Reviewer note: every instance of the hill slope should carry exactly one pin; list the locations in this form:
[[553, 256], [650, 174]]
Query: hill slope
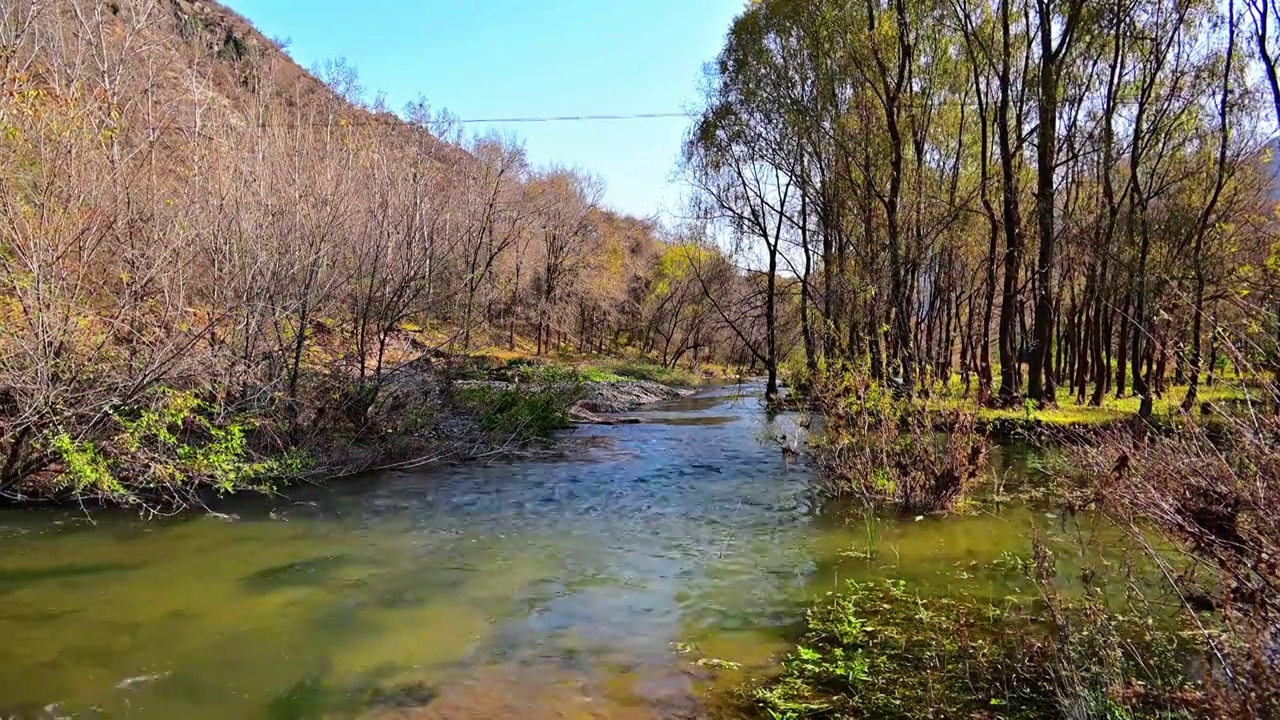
[[212, 264], [193, 63]]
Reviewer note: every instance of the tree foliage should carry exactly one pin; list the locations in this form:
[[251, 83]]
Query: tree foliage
[[1085, 187]]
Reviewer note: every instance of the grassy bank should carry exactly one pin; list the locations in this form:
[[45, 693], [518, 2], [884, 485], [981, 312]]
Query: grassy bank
[[1068, 415], [180, 448], [1195, 497], [506, 364], [1065, 420], [946, 400]]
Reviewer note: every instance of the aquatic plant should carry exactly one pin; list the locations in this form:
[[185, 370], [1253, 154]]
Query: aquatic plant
[[884, 650]]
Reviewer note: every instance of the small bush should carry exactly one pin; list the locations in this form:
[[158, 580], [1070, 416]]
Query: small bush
[[169, 452], [1210, 489], [523, 411], [886, 451]]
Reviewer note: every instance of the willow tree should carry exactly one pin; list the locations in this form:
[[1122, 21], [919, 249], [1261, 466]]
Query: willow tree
[[741, 159]]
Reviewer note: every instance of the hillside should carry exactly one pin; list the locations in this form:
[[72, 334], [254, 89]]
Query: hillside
[[202, 30], [215, 269], [195, 63], [251, 69]]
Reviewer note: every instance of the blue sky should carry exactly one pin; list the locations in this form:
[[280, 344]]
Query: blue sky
[[522, 58]]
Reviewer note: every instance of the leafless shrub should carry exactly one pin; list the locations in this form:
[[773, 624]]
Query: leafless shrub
[[875, 447], [184, 210], [1210, 486]]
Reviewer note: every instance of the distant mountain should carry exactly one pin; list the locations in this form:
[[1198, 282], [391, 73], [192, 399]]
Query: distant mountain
[[1271, 157]]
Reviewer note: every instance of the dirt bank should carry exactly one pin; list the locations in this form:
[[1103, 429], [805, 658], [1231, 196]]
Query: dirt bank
[[615, 397]]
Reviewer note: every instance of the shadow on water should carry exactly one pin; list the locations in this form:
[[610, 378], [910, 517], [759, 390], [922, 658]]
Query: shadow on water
[[692, 420], [16, 578], [312, 572], [584, 583], [703, 402]]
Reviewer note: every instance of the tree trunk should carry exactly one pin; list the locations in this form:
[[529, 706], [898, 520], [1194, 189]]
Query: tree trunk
[[771, 324], [1122, 346], [1040, 379], [1010, 370]]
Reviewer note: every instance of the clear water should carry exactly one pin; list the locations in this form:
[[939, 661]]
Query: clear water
[[567, 588]]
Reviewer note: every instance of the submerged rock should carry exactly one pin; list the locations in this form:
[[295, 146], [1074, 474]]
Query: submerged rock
[[581, 416], [549, 693]]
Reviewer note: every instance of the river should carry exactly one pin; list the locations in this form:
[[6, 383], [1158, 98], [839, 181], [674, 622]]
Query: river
[[588, 584]]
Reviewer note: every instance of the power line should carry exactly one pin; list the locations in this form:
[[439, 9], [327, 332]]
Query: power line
[[575, 118], [390, 121]]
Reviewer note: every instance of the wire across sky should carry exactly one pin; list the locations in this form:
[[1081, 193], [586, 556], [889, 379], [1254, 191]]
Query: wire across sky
[[576, 118]]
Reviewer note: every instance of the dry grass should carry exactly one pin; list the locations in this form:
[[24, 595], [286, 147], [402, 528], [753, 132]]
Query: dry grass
[[1213, 493]]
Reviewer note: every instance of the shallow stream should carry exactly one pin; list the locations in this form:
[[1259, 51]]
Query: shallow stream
[[588, 585]]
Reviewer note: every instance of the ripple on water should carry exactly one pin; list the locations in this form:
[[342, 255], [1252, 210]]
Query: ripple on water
[[552, 587]]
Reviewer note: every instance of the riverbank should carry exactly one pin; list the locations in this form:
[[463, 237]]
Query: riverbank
[[1068, 420], [184, 447], [1172, 618]]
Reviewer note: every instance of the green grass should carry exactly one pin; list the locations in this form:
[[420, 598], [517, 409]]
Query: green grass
[[522, 411], [577, 370], [1068, 414], [599, 375], [623, 369]]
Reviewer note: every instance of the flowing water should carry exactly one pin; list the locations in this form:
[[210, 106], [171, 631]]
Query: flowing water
[[589, 585]]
